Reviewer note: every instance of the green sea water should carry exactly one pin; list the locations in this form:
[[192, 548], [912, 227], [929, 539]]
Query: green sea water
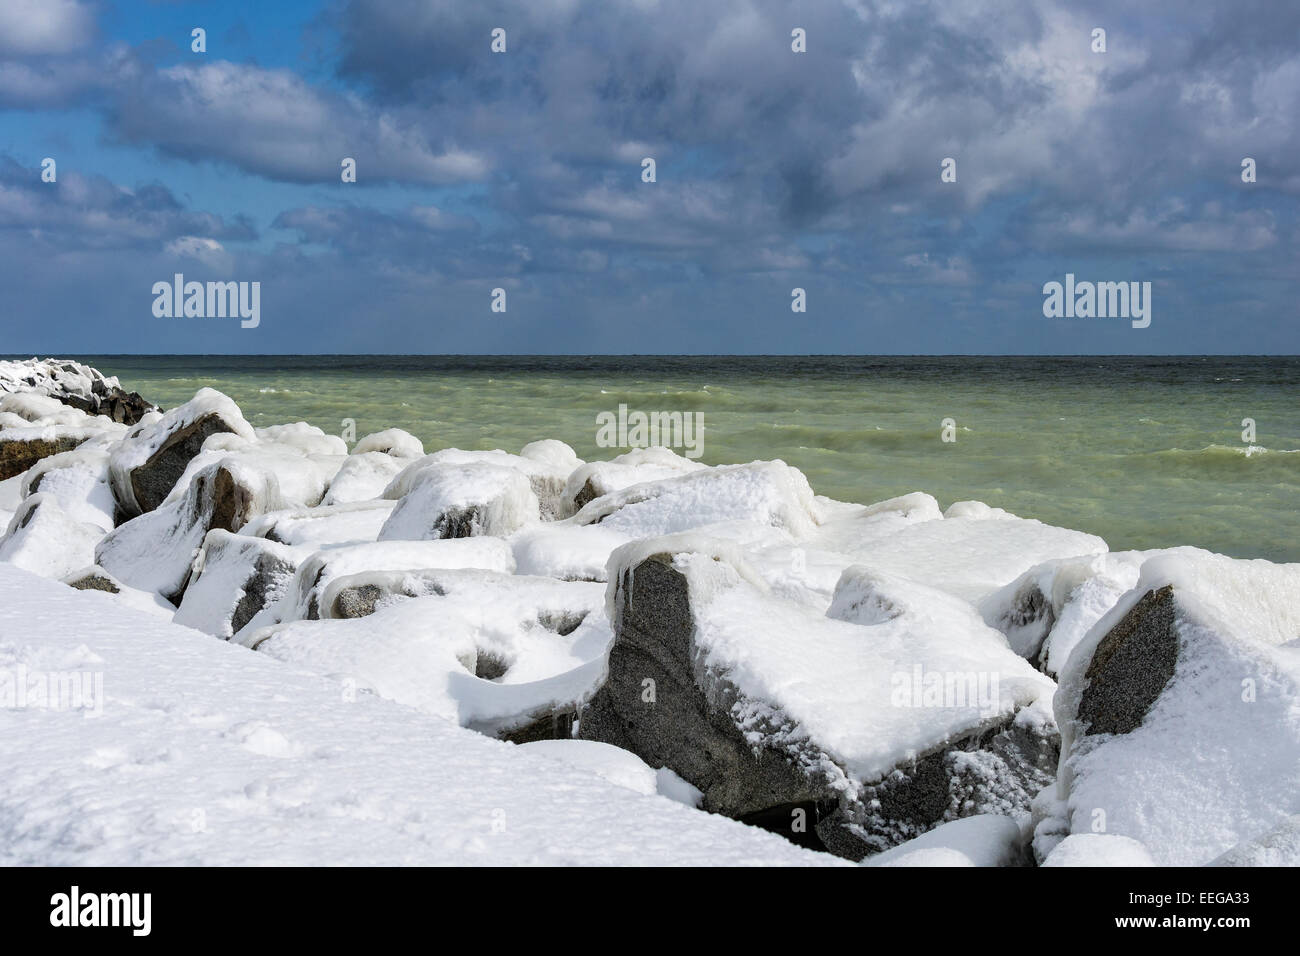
[[1146, 452]]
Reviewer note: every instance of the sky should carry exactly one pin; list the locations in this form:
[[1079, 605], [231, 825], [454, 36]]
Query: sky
[[774, 170]]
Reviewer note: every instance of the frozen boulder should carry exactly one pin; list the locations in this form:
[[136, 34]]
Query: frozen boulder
[[325, 526], [545, 472], [362, 477], [907, 712], [45, 539], [1051, 607], [1099, 849], [445, 500], [233, 578], [596, 479], [1177, 710], [154, 552], [304, 597], [393, 442], [767, 493], [478, 648], [79, 480], [75, 385], [153, 456]]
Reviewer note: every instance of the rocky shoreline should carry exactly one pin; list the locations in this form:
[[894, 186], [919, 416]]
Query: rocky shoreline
[[892, 682]]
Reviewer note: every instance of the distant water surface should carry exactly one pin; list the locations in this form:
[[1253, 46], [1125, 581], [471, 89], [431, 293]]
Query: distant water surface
[[1146, 452]]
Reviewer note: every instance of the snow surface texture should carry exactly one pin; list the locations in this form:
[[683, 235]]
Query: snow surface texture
[[1215, 762], [202, 753], [478, 588]]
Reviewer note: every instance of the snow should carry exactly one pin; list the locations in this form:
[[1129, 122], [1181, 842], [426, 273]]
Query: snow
[[489, 499], [981, 840], [424, 651], [315, 573], [1216, 760], [362, 477], [620, 767], [632, 468], [78, 480], [1099, 849], [325, 526], [766, 492], [391, 441], [206, 754], [45, 539], [566, 551], [221, 573]]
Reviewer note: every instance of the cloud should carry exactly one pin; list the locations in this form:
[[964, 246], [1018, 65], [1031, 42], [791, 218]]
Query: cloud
[[29, 27]]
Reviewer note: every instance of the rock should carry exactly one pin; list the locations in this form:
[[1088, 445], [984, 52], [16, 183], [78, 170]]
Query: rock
[[20, 449], [442, 500], [473, 648], [234, 577], [79, 480], [305, 596], [46, 540], [93, 578], [147, 464], [393, 442], [768, 493], [593, 480], [362, 477], [154, 552], [1176, 711], [702, 679], [75, 385]]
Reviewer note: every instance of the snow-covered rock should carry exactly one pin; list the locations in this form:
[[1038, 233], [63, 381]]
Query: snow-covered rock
[[75, 385], [235, 576], [507, 655], [769, 493], [149, 461], [452, 500], [393, 442], [302, 602], [362, 477], [155, 551], [45, 539], [904, 711], [325, 526], [596, 479], [21, 448], [1178, 710], [78, 479]]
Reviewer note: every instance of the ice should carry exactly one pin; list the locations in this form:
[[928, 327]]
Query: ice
[[234, 577]]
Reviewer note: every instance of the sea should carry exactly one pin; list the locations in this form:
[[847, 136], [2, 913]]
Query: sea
[[1147, 452]]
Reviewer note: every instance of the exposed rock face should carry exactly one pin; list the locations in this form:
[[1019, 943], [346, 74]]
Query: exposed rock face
[[93, 578], [1131, 666], [235, 576], [662, 702], [152, 481], [20, 449]]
